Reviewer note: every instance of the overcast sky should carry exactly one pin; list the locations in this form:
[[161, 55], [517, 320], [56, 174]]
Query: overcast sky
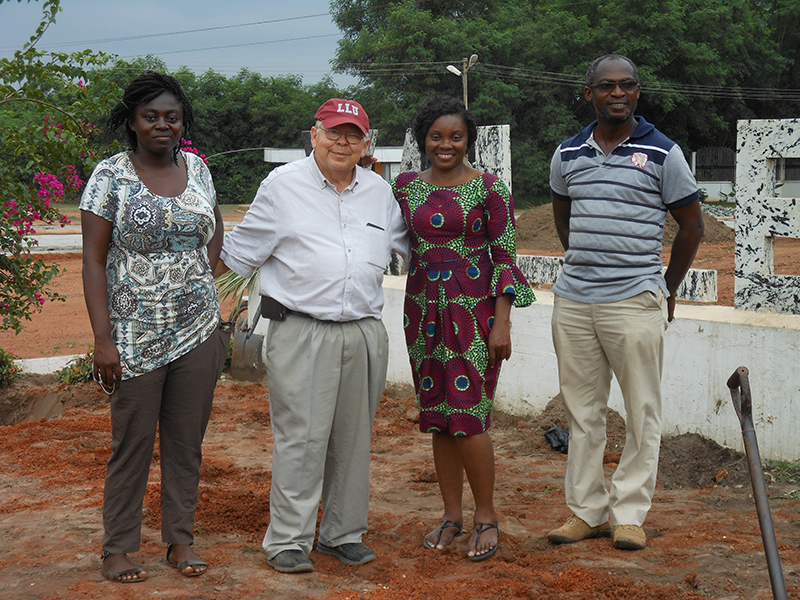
[[261, 35]]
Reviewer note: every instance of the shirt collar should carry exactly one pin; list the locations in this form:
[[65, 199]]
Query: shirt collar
[[320, 179], [642, 129]]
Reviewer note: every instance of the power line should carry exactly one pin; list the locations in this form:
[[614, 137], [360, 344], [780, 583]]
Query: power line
[[201, 30], [308, 37], [566, 79], [234, 151], [173, 33]]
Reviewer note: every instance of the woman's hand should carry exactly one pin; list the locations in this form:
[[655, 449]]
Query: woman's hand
[[96, 238], [500, 335]]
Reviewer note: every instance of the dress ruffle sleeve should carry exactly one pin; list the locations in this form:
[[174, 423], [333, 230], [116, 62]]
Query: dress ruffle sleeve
[[507, 278]]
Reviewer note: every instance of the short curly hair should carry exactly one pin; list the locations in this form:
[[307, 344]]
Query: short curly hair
[[589, 78], [438, 107], [143, 89]]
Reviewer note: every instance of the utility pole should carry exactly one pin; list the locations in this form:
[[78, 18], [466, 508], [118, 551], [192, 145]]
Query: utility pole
[[466, 65]]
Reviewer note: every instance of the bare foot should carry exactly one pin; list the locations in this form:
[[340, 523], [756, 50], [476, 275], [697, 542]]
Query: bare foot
[[442, 535], [483, 540], [177, 555], [117, 567]]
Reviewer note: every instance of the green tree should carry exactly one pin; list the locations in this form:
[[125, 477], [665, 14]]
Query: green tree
[[704, 64], [47, 102], [234, 118], [116, 74], [250, 111]]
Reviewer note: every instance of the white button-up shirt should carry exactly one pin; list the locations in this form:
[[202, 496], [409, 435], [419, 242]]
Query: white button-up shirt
[[320, 252]]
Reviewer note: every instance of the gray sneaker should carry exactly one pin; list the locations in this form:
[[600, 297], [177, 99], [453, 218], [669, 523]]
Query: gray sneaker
[[350, 554], [291, 561]]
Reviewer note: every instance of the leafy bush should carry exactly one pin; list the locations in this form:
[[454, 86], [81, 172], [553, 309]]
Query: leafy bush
[[48, 101], [78, 370], [8, 368]]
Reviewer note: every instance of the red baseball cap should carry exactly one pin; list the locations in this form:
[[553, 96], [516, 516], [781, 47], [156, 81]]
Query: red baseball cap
[[337, 111]]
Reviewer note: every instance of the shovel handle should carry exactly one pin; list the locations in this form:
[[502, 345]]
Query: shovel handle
[[255, 321], [739, 385]]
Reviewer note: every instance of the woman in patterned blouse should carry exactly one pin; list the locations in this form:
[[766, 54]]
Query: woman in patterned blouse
[[152, 233], [462, 282]]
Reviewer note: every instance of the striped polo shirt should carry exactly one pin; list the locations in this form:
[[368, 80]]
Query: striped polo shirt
[[619, 206]]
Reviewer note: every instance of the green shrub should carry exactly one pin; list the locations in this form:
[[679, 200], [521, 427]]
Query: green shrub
[[78, 370], [8, 368]]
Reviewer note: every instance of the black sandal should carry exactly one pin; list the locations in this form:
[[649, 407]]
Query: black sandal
[[118, 577], [445, 524], [186, 563], [480, 528]]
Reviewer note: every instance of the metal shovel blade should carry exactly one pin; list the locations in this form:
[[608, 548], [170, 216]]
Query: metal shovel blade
[[247, 363], [739, 386]]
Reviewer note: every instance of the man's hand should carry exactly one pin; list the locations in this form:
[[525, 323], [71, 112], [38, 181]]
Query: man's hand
[[671, 308], [366, 161], [684, 247]]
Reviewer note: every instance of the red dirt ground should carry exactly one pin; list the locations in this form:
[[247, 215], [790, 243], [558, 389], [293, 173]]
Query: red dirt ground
[[703, 536], [704, 540]]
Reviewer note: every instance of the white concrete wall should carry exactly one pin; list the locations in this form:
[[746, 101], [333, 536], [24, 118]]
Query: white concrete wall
[[703, 347], [716, 190], [46, 366], [762, 215], [788, 189], [720, 190]]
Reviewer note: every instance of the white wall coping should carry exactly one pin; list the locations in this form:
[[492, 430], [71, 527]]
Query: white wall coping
[[46, 366], [702, 348]]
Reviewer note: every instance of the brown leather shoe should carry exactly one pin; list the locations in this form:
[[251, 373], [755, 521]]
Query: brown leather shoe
[[576, 529], [629, 537]]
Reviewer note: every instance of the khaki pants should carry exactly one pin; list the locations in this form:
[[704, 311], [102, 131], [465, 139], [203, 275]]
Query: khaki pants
[[591, 341], [325, 382], [176, 400]]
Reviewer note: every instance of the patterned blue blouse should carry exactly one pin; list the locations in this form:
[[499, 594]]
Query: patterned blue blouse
[[162, 299]]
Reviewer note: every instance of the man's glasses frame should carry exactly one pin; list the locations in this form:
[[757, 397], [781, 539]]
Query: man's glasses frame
[[354, 139], [626, 85]]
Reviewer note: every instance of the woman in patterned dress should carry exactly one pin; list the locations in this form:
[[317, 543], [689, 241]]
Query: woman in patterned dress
[[152, 233], [462, 282]]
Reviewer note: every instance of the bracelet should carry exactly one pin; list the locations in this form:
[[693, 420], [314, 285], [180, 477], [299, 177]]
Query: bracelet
[[96, 377]]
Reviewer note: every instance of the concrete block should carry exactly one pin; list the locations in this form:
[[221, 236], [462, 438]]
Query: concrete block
[[762, 215], [702, 347], [699, 285]]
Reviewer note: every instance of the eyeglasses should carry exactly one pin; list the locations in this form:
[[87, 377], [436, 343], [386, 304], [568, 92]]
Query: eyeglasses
[[626, 85], [334, 134]]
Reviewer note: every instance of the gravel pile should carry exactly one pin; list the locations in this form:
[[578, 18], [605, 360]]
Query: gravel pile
[[717, 210]]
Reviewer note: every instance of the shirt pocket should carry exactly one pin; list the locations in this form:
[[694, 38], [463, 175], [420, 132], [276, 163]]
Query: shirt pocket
[[376, 245]]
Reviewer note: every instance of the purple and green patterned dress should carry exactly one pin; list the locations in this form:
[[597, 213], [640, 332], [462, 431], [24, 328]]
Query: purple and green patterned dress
[[463, 257]]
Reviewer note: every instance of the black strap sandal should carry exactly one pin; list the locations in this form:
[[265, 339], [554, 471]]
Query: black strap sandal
[[118, 577], [480, 528], [445, 524], [186, 563]]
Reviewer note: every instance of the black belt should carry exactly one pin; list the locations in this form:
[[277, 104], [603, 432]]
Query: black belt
[[296, 313]]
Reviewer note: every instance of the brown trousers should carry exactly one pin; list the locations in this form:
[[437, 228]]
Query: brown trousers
[[176, 400]]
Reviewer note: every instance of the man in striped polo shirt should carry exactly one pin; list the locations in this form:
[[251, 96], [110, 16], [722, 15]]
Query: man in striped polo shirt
[[612, 185]]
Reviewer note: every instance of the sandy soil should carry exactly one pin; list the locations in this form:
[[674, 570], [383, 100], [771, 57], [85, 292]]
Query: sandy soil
[[704, 539], [703, 535]]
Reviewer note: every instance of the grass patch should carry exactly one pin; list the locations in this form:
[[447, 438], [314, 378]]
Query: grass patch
[[778, 471]]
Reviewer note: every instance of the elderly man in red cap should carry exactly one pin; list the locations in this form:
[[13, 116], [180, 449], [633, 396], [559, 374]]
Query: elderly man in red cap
[[321, 230]]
